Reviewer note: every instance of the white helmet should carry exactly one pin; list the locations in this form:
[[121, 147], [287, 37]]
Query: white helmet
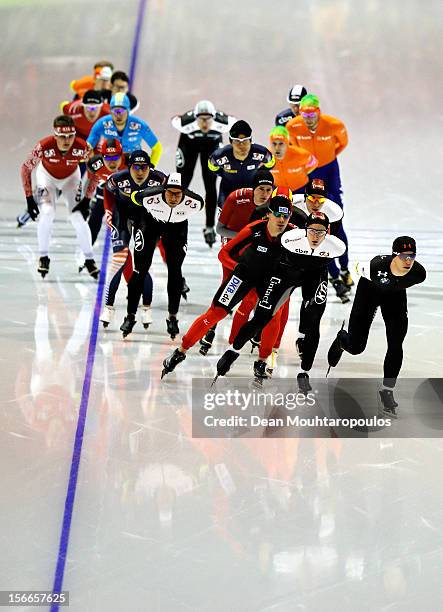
[[204, 107]]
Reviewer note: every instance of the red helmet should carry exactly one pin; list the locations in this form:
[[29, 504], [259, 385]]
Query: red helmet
[[285, 192], [112, 146]]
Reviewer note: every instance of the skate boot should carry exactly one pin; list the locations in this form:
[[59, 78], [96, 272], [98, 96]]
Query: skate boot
[[335, 350], [210, 236], [43, 265], [255, 342], [22, 219], [260, 369], [340, 290], [225, 362], [172, 327], [347, 279], [206, 341], [299, 346], [146, 316], [128, 325], [272, 363], [171, 362], [107, 315], [388, 403], [91, 268], [185, 290], [303, 382]]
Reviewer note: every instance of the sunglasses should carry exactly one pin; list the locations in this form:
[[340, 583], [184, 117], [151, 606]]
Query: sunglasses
[[91, 107], [317, 232], [112, 157], [246, 139], [310, 115], [406, 256], [280, 215], [140, 166], [118, 111], [314, 198]]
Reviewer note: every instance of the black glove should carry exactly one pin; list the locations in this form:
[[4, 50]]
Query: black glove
[[95, 164], [83, 207], [32, 207]]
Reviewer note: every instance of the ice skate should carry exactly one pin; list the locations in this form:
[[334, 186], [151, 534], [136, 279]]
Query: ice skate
[[225, 362], [22, 219], [340, 290], [260, 369], [172, 327], [346, 278], [91, 268], [388, 403], [128, 325], [146, 316], [206, 342], [210, 236], [43, 265], [303, 382], [171, 362], [107, 315], [335, 350]]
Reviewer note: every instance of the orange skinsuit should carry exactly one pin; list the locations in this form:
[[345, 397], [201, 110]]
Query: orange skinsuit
[[292, 171], [82, 85], [328, 140]]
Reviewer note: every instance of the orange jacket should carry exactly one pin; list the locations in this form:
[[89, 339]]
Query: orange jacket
[[82, 85], [328, 140], [292, 171]]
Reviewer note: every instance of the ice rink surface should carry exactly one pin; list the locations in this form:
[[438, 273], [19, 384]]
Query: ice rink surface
[[162, 521]]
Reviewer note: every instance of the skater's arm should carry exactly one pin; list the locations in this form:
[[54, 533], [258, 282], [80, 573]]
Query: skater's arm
[[224, 231], [28, 166], [229, 252], [341, 136]]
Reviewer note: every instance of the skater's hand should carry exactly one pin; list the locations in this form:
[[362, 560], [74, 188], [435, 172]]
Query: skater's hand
[[32, 207], [83, 208]]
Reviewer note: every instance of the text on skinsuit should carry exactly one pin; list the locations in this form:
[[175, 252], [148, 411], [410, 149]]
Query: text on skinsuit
[[264, 302], [230, 290]]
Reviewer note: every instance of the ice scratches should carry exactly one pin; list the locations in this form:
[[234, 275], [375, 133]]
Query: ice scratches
[[17, 435], [427, 524]]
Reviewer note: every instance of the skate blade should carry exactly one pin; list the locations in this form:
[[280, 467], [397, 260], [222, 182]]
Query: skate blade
[[329, 369], [164, 372], [214, 381], [384, 412], [257, 383]]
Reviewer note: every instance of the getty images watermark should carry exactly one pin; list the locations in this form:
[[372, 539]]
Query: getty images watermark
[[338, 408]]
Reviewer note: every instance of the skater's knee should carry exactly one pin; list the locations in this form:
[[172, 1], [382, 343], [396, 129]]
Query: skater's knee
[[356, 347], [47, 211]]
